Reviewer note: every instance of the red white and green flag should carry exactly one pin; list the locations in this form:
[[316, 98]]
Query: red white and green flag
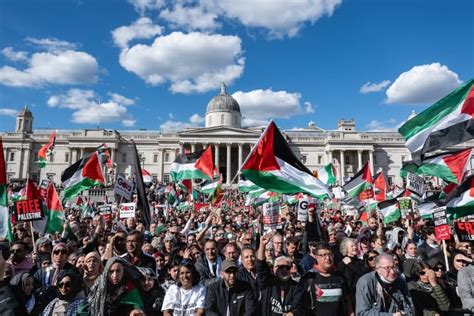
[[6, 231], [449, 166], [247, 186], [446, 123], [360, 182], [53, 212], [147, 177], [104, 152], [272, 165], [460, 201], [197, 165], [380, 187], [82, 175], [46, 150], [390, 210], [327, 174]]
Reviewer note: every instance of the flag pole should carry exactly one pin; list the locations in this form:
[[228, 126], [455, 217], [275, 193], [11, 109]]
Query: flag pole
[[251, 152]]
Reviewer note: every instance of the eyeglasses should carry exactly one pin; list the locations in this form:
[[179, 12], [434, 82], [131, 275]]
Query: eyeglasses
[[285, 267], [61, 251], [422, 273], [64, 284], [371, 258], [387, 268], [439, 269]]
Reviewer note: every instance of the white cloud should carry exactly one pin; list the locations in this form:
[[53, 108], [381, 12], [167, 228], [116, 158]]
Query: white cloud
[[87, 110], [190, 18], [143, 28], [279, 17], [194, 120], [141, 6], [308, 107], [13, 55], [193, 62], [258, 106], [66, 67], [51, 44], [422, 84], [374, 87], [8, 112], [389, 125]]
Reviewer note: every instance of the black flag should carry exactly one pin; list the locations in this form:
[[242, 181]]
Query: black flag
[[142, 200]]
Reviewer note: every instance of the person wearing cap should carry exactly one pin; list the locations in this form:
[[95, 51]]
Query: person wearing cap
[[229, 295], [151, 292]]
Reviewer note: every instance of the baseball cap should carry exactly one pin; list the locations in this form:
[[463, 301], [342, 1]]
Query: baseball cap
[[228, 264]]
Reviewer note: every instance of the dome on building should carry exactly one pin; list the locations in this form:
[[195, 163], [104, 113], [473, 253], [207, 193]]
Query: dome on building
[[25, 112], [223, 102]]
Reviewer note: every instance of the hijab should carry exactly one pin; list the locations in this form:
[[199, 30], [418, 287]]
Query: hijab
[[76, 285], [91, 276]]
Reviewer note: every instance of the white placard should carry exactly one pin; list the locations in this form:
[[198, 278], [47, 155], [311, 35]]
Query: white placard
[[415, 184], [127, 210], [303, 205], [124, 188], [271, 216]]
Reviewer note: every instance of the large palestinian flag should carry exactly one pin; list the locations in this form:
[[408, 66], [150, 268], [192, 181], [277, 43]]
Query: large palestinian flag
[[196, 165], [247, 186], [447, 122], [449, 166], [82, 175], [272, 165], [46, 150], [360, 182], [327, 174], [5, 220], [460, 202]]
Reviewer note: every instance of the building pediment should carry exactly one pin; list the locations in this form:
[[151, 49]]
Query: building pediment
[[218, 131]]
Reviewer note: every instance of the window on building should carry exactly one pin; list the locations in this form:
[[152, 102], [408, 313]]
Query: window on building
[[167, 156], [66, 157], [304, 158], [166, 178], [20, 122], [34, 177], [12, 156], [375, 160], [347, 160], [155, 158], [124, 157], [222, 119], [403, 158], [50, 176], [51, 158], [320, 160]]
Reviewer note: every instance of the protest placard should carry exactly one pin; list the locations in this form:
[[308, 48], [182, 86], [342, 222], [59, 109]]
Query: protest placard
[[127, 210], [28, 210], [415, 184], [303, 205], [441, 224], [123, 187], [464, 230], [271, 215]]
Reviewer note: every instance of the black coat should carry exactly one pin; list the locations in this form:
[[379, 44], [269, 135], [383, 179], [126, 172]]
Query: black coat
[[238, 299], [145, 261], [205, 275]]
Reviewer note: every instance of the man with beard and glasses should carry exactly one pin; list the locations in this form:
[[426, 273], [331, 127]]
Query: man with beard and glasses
[[279, 294], [383, 291], [230, 296], [325, 293]]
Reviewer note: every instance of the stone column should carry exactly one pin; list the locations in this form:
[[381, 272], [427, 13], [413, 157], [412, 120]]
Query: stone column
[[342, 166], [21, 164], [160, 164], [216, 158], [371, 161], [240, 156], [70, 156], [329, 157], [359, 159], [27, 162], [181, 148], [228, 165], [193, 147], [82, 153]]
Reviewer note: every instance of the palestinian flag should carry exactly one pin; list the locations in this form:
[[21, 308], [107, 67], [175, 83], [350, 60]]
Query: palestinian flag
[[327, 174], [46, 150], [449, 166], [447, 122], [82, 175], [460, 202], [272, 165], [426, 209], [5, 220], [360, 182], [147, 177], [87, 210], [210, 187], [170, 194], [390, 211], [380, 187], [53, 211], [197, 165], [104, 152], [265, 197], [247, 186]]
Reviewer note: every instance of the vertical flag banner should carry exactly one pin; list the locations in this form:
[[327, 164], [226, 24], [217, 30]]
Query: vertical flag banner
[[6, 231], [142, 200], [46, 150]]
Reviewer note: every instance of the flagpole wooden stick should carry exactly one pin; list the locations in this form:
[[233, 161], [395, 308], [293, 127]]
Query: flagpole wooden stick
[[251, 152], [445, 255], [32, 236]]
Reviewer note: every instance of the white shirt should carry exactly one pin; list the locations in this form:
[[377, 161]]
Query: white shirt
[[184, 302]]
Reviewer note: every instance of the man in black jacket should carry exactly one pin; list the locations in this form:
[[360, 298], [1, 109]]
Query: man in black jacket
[[135, 254], [279, 294], [209, 265], [230, 296]]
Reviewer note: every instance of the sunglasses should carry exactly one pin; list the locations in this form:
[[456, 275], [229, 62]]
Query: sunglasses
[[371, 258], [285, 267], [461, 261], [438, 268], [422, 272], [62, 251], [64, 284]]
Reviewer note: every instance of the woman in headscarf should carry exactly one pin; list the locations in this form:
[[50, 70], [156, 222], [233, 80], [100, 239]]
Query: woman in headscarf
[[114, 292], [92, 269], [152, 293], [70, 295], [22, 286]]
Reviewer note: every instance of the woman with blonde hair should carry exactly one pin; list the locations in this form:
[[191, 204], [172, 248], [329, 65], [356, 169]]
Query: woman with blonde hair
[[351, 267], [92, 269]]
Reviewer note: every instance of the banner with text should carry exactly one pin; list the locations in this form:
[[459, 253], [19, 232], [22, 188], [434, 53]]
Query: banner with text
[[464, 230], [271, 216], [28, 210], [127, 210], [124, 188]]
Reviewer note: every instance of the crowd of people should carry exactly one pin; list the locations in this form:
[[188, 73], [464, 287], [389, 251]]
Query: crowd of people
[[222, 261]]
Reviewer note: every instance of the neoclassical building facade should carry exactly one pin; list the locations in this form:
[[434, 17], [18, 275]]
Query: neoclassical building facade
[[346, 147]]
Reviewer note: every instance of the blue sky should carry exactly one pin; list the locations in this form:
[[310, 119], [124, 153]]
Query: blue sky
[[155, 64]]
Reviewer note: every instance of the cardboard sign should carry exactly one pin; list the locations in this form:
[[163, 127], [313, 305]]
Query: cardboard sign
[[28, 210], [271, 216], [117, 226], [465, 231], [127, 210], [303, 206], [442, 230], [415, 184], [124, 188], [406, 207]]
